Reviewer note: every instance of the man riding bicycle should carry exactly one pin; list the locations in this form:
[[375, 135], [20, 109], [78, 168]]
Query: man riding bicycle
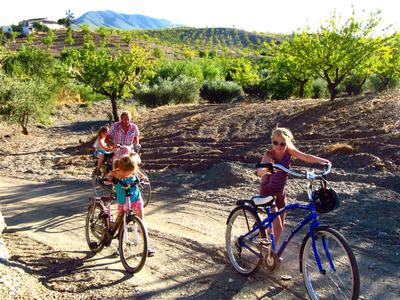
[[123, 136]]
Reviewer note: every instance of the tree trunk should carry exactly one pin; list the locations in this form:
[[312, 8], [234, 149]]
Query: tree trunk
[[114, 109], [332, 90], [24, 124], [301, 89], [360, 85], [25, 130], [386, 83]]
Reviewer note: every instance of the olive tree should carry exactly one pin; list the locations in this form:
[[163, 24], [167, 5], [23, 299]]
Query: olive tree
[[29, 80], [50, 38], [112, 74], [22, 101], [4, 54]]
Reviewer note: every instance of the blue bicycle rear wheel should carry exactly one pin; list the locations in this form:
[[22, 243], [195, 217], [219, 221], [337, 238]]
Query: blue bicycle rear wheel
[[244, 254]]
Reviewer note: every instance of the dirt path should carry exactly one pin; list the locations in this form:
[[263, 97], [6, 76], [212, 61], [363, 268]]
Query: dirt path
[[46, 238]]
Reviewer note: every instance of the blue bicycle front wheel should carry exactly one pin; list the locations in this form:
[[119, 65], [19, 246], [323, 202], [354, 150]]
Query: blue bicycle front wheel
[[339, 278]]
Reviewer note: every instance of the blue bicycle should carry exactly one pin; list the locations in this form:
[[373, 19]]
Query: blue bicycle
[[327, 263]]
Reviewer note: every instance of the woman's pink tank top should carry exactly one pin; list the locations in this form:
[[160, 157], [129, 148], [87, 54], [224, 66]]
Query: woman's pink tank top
[[274, 184]]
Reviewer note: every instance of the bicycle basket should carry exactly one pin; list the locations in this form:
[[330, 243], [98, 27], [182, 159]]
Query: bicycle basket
[[325, 200]]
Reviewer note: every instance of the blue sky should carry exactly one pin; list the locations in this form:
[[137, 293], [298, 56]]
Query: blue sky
[[283, 16]]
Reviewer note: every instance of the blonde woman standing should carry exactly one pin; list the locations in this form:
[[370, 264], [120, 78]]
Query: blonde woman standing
[[281, 152]]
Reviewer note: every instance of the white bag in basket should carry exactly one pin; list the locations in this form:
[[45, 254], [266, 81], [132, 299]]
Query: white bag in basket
[[136, 158]]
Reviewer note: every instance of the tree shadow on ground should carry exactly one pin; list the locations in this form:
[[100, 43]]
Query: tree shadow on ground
[[73, 199], [61, 273], [80, 127]]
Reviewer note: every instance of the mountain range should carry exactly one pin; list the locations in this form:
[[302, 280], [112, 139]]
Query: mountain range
[[114, 19]]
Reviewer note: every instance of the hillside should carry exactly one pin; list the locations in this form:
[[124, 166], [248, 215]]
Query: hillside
[[199, 158], [112, 19], [213, 37], [172, 40], [115, 41]]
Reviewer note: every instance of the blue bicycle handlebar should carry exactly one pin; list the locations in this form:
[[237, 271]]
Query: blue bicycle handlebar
[[308, 175]]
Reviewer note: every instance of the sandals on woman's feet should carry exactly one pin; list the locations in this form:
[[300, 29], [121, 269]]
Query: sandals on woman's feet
[[150, 252]]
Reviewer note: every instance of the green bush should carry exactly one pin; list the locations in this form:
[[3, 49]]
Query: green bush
[[171, 70], [242, 71], [375, 83], [201, 69], [276, 85], [255, 90], [83, 92], [319, 89], [187, 90], [30, 62], [353, 84], [183, 89], [219, 91], [211, 69], [158, 53]]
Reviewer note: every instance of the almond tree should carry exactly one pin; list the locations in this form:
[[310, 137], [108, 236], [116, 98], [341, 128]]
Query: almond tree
[[387, 61], [69, 36], [290, 58], [336, 50], [12, 36], [127, 37], [112, 74], [104, 34]]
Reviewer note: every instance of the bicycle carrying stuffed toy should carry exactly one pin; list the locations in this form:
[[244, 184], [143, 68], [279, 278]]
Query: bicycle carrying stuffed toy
[[325, 199]]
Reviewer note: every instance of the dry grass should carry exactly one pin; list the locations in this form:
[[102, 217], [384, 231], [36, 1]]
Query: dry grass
[[340, 148], [67, 97]]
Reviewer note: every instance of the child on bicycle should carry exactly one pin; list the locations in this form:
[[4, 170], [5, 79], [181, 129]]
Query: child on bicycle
[[126, 170], [281, 152], [101, 147]]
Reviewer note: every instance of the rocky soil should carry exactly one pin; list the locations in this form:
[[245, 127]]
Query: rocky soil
[[200, 159]]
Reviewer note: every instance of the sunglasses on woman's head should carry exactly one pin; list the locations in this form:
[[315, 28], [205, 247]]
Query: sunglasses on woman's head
[[276, 143]]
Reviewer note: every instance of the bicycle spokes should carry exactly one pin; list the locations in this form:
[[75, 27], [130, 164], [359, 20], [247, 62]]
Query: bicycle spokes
[[330, 270], [133, 244], [243, 249]]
